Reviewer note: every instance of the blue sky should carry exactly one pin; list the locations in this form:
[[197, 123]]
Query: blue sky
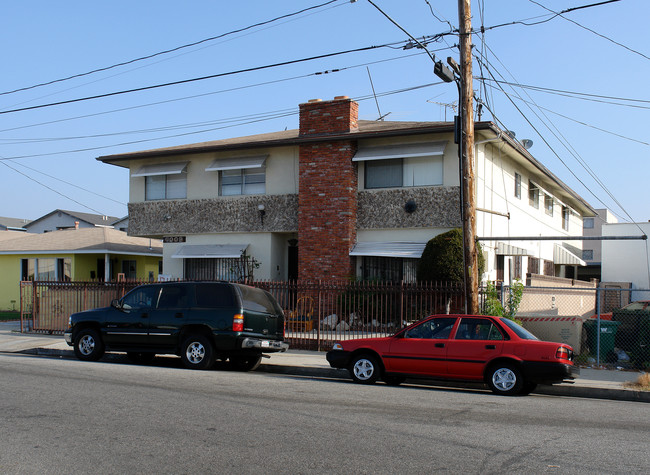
[[47, 155]]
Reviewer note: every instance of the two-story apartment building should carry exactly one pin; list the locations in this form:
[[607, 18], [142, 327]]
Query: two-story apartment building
[[342, 197]]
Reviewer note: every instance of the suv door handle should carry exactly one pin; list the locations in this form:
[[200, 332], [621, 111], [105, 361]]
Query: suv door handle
[[439, 345], [179, 315], [144, 315], [490, 347]]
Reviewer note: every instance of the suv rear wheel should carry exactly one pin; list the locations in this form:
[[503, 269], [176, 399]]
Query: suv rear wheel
[[197, 352]]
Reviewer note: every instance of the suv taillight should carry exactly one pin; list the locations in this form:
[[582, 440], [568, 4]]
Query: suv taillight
[[563, 353], [238, 323]]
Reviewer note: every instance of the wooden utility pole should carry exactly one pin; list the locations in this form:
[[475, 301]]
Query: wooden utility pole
[[467, 161]]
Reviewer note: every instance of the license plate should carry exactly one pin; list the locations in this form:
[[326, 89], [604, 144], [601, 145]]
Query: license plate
[[265, 343]]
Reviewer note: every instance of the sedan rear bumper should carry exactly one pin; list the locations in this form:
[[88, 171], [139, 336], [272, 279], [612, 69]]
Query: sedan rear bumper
[[548, 372]]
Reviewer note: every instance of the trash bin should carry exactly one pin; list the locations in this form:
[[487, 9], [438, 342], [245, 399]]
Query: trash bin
[[607, 339]]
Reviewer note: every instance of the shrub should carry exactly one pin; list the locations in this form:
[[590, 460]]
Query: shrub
[[442, 259]]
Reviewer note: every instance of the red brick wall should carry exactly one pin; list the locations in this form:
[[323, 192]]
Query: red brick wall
[[327, 192]]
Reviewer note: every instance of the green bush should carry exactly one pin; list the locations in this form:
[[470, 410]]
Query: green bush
[[442, 259]]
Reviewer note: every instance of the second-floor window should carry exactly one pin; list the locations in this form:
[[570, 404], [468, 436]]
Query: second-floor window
[[517, 185], [588, 223], [566, 214], [533, 195], [247, 181], [548, 205], [165, 187], [164, 181]]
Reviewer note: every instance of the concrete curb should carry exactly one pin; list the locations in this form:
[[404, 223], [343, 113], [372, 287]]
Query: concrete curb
[[566, 390]]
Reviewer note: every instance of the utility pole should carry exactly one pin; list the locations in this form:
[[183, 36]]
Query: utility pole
[[467, 161]]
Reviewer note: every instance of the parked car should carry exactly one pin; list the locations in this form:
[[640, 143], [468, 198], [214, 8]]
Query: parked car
[[495, 350], [637, 306], [199, 321]]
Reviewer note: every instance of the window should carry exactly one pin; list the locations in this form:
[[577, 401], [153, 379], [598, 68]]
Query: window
[[434, 329], [533, 195], [214, 296], [173, 296], [587, 223], [517, 263], [533, 265], [517, 185], [403, 172], [549, 268], [247, 181], [548, 205], [129, 269], [566, 214], [478, 329], [389, 269], [55, 270], [142, 297], [587, 254], [165, 187]]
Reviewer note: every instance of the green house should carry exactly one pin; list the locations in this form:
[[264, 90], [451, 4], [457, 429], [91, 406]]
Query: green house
[[83, 254]]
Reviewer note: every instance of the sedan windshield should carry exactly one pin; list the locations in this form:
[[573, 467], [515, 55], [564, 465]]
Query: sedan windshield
[[518, 329]]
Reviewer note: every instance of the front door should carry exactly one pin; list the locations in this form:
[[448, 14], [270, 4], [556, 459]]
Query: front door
[[129, 326], [421, 350]]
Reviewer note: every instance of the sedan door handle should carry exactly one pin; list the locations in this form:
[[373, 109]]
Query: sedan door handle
[[439, 345], [490, 347]]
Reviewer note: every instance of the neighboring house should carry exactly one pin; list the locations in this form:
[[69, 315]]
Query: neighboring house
[[12, 224], [122, 224], [592, 250], [62, 219], [627, 260], [342, 197], [74, 255]]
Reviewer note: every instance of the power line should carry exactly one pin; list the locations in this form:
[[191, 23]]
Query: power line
[[195, 43], [3, 161], [202, 78]]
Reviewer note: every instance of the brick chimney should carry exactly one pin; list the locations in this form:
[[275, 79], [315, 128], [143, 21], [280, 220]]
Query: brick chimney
[[327, 192], [328, 117]]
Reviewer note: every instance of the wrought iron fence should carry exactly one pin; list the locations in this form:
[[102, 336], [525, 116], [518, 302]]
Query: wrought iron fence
[[604, 325]]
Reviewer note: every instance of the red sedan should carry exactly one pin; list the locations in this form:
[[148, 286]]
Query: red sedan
[[496, 350]]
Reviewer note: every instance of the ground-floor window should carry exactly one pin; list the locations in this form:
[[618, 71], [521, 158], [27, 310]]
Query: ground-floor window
[[389, 269], [46, 269], [129, 269], [229, 269]]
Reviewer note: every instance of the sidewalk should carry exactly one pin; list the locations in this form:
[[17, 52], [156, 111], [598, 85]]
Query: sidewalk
[[593, 383]]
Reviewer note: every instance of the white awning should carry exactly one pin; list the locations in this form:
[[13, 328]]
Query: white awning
[[161, 169], [428, 149], [211, 251], [409, 250], [504, 249], [562, 255], [237, 163]]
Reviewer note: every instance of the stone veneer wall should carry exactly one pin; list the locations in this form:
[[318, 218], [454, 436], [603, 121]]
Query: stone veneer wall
[[226, 214], [384, 209]]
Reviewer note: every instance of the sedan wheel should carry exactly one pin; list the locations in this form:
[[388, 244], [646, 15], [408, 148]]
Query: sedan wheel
[[364, 369], [505, 379], [197, 353]]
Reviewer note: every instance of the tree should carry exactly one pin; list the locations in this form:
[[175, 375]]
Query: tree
[[493, 305], [442, 259]]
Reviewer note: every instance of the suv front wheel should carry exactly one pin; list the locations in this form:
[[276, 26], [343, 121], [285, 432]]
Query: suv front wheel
[[88, 345], [197, 352]]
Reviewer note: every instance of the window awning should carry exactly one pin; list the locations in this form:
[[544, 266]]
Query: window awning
[[400, 151], [238, 163], [409, 250], [161, 169], [504, 249], [562, 255], [210, 251]]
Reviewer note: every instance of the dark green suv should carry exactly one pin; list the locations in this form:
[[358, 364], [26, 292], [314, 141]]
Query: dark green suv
[[199, 321]]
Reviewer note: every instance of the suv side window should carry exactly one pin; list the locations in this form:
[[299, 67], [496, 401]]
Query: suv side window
[[173, 296], [214, 296], [142, 297]]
